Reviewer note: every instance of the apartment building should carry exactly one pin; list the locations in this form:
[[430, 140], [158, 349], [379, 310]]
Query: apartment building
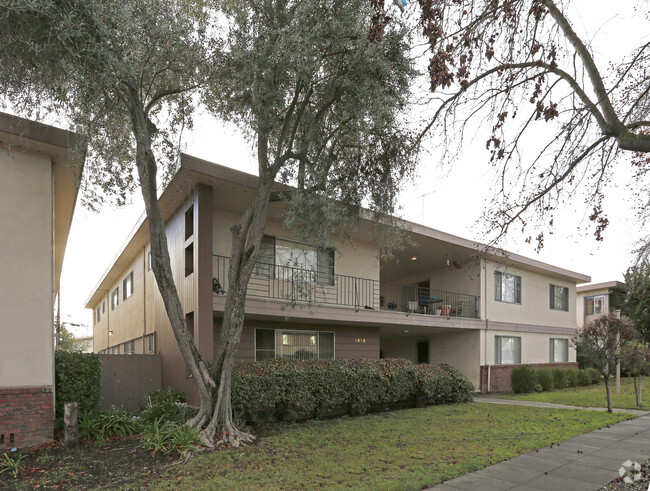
[[442, 299], [39, 175], [598, 299]]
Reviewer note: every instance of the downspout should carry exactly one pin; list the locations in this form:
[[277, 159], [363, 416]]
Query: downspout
[[487, 326], [144, 299]]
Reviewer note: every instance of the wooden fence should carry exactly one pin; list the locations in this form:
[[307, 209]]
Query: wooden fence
[[126, 379]]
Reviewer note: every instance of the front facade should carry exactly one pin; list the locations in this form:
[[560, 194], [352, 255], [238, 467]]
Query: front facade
[[38, 187], [440, 300]]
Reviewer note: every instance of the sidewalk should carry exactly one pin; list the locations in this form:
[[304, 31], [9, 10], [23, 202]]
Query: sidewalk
[[585, 462]]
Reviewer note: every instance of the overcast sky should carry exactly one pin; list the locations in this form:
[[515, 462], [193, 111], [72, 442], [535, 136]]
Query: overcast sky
[[450, 200]]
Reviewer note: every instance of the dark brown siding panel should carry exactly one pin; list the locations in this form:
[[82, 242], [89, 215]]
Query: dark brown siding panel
[[126, 379]]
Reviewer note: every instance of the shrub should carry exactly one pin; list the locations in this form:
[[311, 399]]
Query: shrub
[[281, 389], [77, 379], [169, 436], [595, 375], [583, 377], [560, 378], [571, 377], [545, 378], [523, 379], [167, 403], [106, 424]]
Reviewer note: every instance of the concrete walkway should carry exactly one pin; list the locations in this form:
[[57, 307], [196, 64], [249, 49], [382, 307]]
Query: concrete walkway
[[513, 402], [586, 462]]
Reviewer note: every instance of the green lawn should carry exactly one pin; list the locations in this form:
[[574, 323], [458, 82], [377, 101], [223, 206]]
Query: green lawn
[[591, 396], [407, 449]]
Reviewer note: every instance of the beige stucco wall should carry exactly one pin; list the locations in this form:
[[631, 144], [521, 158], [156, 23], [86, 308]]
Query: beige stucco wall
[[534, 346], [460, 349], [359, 259], [26, 269], [534, 308]]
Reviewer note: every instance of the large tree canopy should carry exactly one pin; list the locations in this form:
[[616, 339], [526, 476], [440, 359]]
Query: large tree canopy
[[556, 118]]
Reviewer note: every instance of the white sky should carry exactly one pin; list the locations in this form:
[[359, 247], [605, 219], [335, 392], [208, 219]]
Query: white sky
[[450, 200]]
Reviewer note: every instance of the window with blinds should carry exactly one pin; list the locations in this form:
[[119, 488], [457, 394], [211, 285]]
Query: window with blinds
[[558, 350], [507, 350], [559, 298], [507, 287], [293, 344]]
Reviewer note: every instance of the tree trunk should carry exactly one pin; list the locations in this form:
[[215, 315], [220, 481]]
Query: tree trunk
[[639, 401], [246, 240], [609, 400], [147, 168]]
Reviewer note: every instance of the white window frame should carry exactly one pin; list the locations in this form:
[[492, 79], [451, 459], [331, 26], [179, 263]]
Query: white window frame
[[289, 331], [498, 354], [552, 352], [592, 299], [151, 343]]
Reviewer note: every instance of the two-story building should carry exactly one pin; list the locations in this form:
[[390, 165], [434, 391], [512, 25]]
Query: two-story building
[[442, 299], [40, 168], [597, 299]]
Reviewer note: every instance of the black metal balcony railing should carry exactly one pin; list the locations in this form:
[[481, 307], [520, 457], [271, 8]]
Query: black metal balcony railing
[[318, 287]]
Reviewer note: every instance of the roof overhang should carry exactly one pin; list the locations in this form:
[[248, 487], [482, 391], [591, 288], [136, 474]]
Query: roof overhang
[[67, 153], [192, 171], [610, 285]]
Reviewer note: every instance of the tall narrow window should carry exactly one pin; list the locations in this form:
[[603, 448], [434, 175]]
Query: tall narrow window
[[189, 222], [559, 298], [99, 314], [558, 350], [507, 350], [127, 286], [149, 261], [151, 343], [507, 287], [325, 263], [189, 259], [115, 298]]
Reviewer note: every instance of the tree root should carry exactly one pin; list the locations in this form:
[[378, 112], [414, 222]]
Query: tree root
[[230, 435]]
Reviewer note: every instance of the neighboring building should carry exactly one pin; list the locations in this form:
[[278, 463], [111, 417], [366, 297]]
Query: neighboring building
[[39, 176], [597, 299], [85, 344], [442, 300]]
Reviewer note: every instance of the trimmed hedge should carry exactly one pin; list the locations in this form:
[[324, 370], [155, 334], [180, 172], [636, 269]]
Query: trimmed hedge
[[524, 378], [281, 390], [77, 378]]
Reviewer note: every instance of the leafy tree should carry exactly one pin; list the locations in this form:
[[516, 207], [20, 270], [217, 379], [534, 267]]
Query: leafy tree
[[636, 306], [123, 73], [635, 359], [66, 340], [601, 343], [321, 98], [319, 95], [556, 119]]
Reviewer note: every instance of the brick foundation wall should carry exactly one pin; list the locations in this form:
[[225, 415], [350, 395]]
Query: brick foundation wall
[[26, 416], [500, 375]]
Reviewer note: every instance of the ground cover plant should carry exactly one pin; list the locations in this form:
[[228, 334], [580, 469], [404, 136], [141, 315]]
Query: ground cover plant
[[407, 449], [589, 396]]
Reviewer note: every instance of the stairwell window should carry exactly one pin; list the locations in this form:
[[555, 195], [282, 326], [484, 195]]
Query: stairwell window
[[507, 287], [507, 350], [292, 344], [559, 298], [558, 350]]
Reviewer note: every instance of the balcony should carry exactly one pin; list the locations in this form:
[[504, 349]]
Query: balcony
[[316, 287]]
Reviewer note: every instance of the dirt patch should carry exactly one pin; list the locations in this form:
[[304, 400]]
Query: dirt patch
[[91, 465]]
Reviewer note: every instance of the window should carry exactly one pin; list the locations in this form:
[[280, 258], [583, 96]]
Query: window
[[297, 345], [129, 348], [189, 222], [189, 259], [127, 286], [595, 305], [115, 350], [115, 298], [507, 287], [507, 350], [151, 343], [559, 298], [149, 261], [278, 256], [103, 307], [99, 314], [558, 350]]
